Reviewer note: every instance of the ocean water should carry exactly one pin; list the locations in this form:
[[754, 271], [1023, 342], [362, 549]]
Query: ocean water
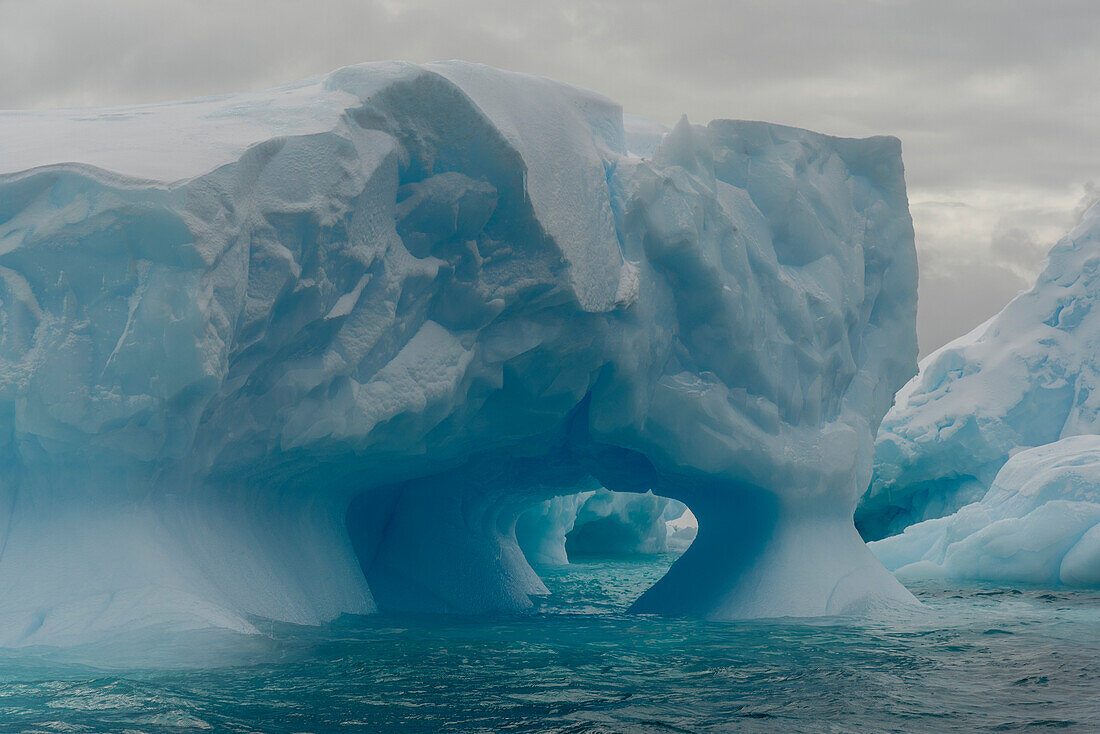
[[975, 658]]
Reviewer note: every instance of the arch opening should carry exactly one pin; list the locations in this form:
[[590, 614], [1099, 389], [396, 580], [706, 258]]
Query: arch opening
[[604, 523], [460, 540], [474, 539]]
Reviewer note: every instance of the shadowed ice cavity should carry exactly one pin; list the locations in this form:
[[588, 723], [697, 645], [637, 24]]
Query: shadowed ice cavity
[[312, 351]]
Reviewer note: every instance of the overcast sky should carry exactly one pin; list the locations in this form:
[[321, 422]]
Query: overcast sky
[[997, 102]]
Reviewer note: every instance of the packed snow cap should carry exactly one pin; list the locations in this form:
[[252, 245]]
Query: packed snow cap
[[313, 351], [1027, 377]]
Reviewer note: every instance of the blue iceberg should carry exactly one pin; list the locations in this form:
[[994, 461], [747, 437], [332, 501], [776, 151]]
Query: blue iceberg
[[313, 350]]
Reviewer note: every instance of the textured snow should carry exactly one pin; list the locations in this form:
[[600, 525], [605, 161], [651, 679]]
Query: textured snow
[[168, 142], [542, 529], [310, 351], [1027, 377], [1039, 523]]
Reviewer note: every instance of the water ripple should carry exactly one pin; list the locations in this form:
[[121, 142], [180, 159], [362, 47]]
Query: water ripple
[[975, 659]]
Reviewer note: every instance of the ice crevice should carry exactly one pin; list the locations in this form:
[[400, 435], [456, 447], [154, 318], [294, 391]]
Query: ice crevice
[[317, 350]]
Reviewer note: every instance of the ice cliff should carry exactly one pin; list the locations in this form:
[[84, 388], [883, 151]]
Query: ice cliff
[[313, 350], [1027, 377]]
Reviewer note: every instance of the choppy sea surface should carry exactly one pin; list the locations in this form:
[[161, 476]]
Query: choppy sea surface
[[976, 658]]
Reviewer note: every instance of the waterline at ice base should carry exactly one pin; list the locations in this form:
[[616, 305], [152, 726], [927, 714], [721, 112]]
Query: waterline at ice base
[[311, 351]]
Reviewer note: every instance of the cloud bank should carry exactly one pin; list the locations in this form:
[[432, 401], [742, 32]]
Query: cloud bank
[[997, 102]]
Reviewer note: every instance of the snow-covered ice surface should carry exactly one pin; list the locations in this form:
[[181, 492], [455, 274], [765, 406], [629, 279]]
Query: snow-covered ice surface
[[1039, 524], [291, 354], [174, 141], [1027, 377]]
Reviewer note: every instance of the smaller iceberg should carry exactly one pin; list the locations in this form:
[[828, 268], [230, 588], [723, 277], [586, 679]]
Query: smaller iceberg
[[1039, 523], [1027, 377]]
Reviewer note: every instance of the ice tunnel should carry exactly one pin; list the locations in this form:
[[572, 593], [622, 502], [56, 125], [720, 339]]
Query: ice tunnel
[[315, 350], [627, 524], [603, 523]]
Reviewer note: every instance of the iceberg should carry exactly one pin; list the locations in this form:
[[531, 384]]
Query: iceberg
[[314, 350], [1025, 378], [1039, 524]]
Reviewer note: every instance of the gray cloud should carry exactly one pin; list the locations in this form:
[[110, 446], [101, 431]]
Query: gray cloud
[[1090, 196], [958, 294], [996, 101], [1017, 246]]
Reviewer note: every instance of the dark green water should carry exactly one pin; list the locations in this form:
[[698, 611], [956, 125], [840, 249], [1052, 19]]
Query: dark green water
[[975, 659]]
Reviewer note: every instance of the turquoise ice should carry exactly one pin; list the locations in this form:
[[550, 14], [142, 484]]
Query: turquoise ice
[[310, 351]]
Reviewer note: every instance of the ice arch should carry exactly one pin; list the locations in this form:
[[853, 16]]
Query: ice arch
[[312, 350], [617, 523], [603, 522]]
